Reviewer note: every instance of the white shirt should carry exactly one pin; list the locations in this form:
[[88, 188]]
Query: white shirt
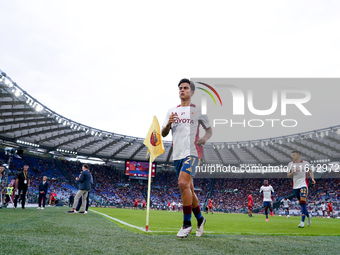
[[285, 202], [323, 207], [267, 193], [300, 178], [185, 131]]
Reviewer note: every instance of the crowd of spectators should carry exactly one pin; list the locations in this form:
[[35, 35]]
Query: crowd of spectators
[[112, 188], [230, 195]]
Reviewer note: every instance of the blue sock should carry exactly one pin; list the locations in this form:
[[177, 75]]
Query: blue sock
[[187, 217], [197, 212], [266, 210], [187, 214], [303, 213], [306, 211]]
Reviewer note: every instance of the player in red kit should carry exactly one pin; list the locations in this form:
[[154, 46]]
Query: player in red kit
[[210, 207], [250, 205], [329, 209], [53, 198], [135, 204], [143, 205]]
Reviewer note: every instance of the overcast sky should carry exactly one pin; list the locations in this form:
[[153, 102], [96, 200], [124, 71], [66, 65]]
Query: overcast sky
[[113, 65]]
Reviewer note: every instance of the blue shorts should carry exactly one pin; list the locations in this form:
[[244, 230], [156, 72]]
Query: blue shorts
[[187, 165], [301, 194], [267, 203]]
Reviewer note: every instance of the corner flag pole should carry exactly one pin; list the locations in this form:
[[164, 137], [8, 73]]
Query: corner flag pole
[[155, 146], [148, 199]]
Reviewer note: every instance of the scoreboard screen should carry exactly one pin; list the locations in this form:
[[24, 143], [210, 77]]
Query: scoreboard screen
[[139, 169]]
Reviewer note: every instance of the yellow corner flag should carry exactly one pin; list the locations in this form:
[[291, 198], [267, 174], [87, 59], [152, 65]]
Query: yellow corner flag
[[155, 146], [153, 140]]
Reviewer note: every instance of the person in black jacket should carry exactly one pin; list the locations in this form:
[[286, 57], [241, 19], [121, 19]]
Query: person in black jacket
[[43, 187], [87, 201], [21, 186], [84, 181]]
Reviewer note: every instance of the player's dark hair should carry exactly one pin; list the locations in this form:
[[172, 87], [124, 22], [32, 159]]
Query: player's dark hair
[[298, 152], [192, 85], [86, 166]]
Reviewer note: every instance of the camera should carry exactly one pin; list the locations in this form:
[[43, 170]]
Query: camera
[[10, 151]]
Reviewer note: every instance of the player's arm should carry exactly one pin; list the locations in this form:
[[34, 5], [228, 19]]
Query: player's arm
[[290, 173], [204, 121], [311, 174], [173, 117], [208, 134]]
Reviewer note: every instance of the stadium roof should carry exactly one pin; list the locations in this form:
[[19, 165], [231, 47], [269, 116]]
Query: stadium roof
[[28, 124]]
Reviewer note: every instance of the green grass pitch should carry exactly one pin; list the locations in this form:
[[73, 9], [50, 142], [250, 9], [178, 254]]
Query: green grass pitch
[[51, 231], [162, 222]]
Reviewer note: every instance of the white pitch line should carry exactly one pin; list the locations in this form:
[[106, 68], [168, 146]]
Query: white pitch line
[[210, 232], [120, 221], [133, 226]]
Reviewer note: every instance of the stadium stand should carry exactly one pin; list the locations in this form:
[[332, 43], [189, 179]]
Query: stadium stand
[[112, 189], [51, 143]]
